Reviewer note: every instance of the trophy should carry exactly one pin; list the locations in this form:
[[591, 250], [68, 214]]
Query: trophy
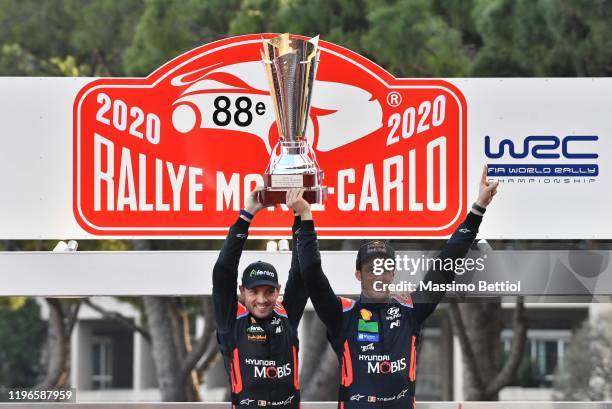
[[291, 65]]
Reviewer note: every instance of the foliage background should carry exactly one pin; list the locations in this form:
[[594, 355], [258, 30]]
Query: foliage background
[[412, 38]]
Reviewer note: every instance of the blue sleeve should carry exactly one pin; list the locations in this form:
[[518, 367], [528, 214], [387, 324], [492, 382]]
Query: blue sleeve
[[295, 295], [425, 302], [327, 305], [225, 276]]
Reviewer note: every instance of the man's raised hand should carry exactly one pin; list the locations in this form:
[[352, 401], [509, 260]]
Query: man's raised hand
[[252, 204], [486, 189], [295, 201]]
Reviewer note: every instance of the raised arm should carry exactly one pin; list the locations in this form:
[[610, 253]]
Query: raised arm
[[327, 305], [296, 295], [456, 247], [225, 271], [225, 275]]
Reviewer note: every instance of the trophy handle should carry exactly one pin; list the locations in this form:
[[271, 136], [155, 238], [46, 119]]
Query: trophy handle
[[313, 156], [273, 156]]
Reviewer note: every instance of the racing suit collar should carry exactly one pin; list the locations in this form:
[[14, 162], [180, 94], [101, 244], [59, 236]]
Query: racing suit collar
[[374, 304], [262, 321]]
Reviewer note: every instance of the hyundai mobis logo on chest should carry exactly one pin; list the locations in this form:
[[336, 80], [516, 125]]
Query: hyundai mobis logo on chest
[[176, 153]]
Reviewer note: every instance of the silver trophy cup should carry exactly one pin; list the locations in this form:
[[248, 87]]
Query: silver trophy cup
[[291, 65]]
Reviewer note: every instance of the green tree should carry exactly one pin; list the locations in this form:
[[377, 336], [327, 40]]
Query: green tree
[[410, 40], [15, 61], [586, 373], [42, 28], [168, 28], [407, 37], [339, 21], [101, 31], [342, 22], [22, 333], [66, 37], [554, 38], [460, 16]]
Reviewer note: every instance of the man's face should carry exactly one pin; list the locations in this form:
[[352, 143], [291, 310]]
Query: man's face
[[260, 300], [374, 285]]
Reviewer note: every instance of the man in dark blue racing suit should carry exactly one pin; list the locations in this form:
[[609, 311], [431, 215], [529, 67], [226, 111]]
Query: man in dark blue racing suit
[[257, 334], [376, 336]]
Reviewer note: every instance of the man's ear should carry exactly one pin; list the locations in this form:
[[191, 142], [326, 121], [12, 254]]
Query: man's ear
[[241, 288], [358, 275], [279, 288]]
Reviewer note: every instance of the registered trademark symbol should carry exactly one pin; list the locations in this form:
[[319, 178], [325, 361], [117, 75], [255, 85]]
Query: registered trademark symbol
[[394, 98]]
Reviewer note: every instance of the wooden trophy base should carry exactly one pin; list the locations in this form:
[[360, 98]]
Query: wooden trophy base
[[272, 196], [277, 186]]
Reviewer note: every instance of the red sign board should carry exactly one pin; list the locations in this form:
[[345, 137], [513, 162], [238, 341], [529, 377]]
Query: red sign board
[[173, 154]]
